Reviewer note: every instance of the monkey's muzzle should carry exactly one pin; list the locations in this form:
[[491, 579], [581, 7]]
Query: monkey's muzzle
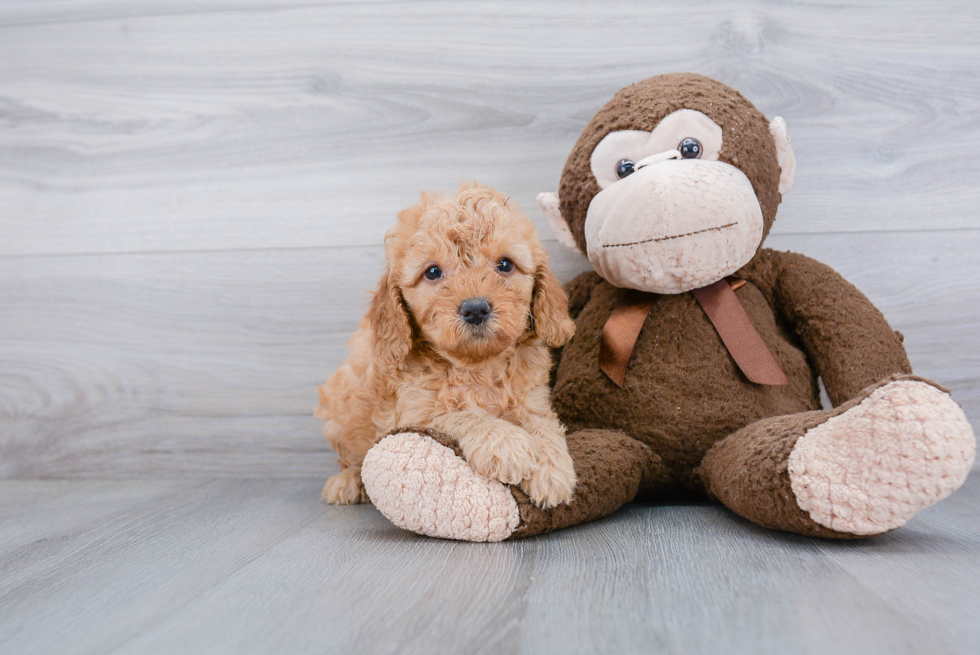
[[674, 225]]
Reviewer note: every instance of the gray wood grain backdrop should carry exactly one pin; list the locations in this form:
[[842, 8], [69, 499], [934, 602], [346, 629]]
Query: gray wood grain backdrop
[[193, 194]]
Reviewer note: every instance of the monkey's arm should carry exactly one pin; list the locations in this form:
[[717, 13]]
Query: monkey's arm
[[848, 340]]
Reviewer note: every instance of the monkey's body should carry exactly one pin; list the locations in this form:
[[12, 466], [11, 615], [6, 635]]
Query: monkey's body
[[670, 189], [682, 392]]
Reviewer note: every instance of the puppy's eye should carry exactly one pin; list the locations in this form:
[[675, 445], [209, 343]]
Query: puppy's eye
[[690, 148], [624, 167], [505, 265], [433, 273]]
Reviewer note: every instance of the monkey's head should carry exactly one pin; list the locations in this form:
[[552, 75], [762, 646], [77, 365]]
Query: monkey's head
[[673, 185]]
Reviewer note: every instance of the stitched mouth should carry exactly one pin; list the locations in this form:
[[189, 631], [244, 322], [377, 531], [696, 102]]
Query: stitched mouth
[[676, 236]]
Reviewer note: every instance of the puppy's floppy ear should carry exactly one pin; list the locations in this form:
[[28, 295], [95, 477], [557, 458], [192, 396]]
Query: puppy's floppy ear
[[389, 321], [388, 313], [549, 309]]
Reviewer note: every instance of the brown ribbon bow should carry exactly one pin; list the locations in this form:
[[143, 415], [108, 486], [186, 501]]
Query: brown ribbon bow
[[725, 312]]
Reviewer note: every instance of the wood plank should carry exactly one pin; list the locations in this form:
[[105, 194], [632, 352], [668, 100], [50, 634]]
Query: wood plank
[[147, 127], [96, 586], [206, 364], [698, 579], [30, 514], [947, 537], [264, 566], [639, 582]]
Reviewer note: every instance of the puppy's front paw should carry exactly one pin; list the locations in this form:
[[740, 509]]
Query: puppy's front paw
[[553, 483], [506, 455], [345, 488]]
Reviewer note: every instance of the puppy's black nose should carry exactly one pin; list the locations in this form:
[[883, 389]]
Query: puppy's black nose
[[475, 310]]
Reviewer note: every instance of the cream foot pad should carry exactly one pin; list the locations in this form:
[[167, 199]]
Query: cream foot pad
[[869, 470], [423, 486]]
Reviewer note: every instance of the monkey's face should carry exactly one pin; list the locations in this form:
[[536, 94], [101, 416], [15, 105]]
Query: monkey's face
[[673, 185], [670, 217]]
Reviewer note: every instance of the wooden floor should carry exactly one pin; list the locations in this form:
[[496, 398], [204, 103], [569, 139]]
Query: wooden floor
[[262, 566]]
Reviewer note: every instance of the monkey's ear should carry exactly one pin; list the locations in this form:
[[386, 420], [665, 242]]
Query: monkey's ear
[[784, 154], [548, 202]]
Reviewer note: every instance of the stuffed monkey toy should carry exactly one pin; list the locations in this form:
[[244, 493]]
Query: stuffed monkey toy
[[695, 362]]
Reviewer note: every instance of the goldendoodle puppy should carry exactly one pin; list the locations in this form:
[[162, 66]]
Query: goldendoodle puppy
[[456, 339]]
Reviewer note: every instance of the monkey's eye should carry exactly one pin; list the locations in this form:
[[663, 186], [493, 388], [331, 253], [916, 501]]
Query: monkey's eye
[[690, 148], [624, 167], [433, 273], [505, 265]]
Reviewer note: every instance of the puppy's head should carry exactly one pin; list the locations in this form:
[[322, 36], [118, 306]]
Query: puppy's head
[[466, 274]]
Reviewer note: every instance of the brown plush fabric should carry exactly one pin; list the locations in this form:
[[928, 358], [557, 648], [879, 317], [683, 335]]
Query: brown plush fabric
[[579, 290], [849, 341], [683, 392], [747, 142], [747, 471], [611, 469]]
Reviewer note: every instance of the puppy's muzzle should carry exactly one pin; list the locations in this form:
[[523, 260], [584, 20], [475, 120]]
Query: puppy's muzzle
[[475, 311]]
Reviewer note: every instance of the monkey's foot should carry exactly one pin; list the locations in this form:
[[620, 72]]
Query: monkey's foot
[[870, 469], [425, 487]]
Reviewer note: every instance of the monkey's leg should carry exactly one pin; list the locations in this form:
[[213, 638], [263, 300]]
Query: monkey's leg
[[418, 479], [860, 469]]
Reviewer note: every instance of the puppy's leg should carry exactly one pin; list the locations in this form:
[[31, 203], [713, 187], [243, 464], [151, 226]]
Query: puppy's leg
[[345, 488], [493, 447], [553, 483]]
